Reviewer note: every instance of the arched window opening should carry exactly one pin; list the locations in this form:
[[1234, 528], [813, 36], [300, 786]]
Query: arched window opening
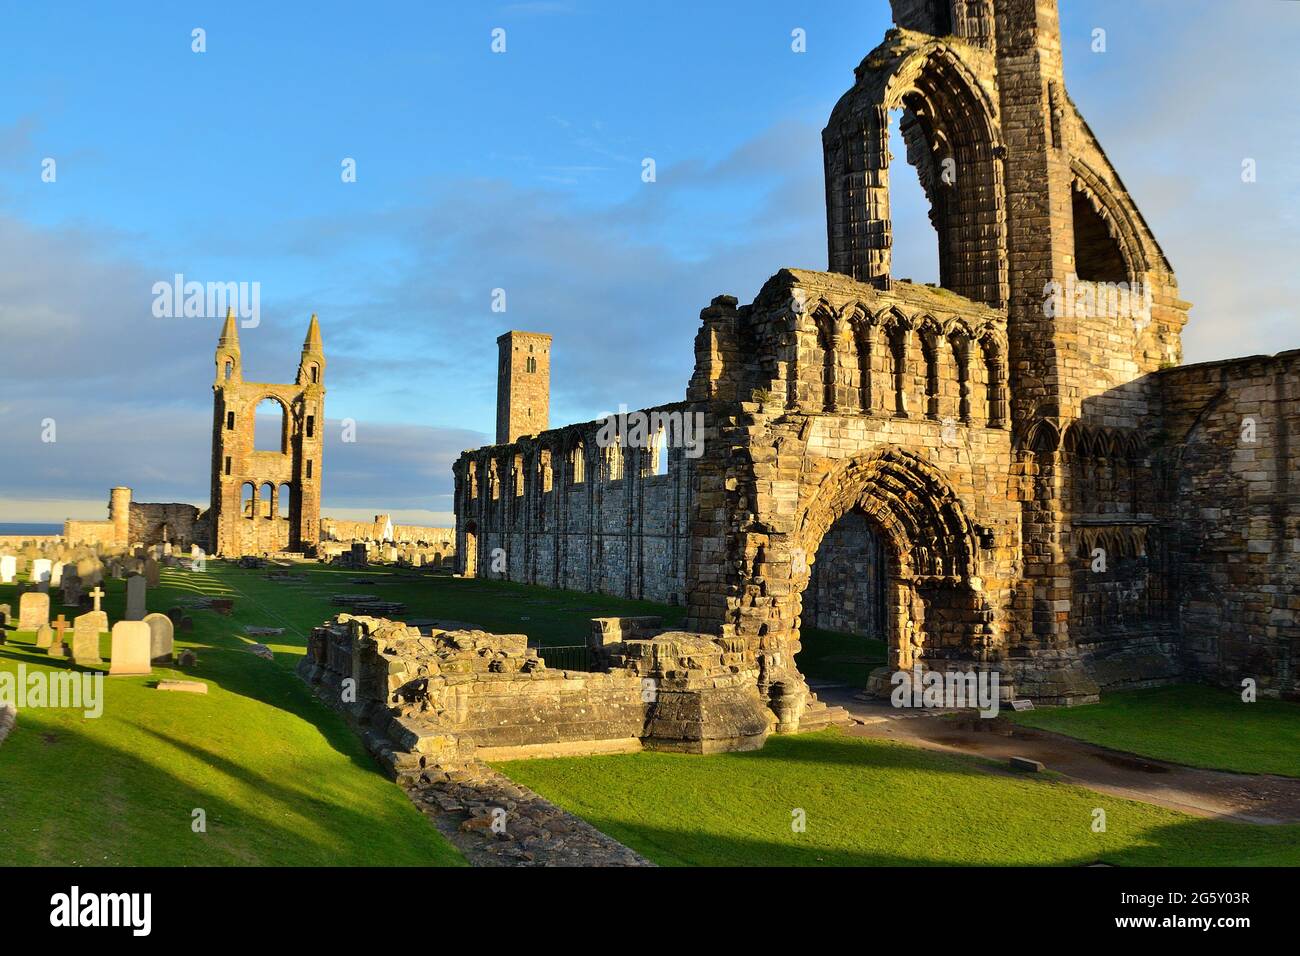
[[1097, 255], [545, 468], [917, 195], [248, 499], [613, 456], [267, 500], [577, 464], [659, 452], [270, 427], [519, 475], [286, 500]]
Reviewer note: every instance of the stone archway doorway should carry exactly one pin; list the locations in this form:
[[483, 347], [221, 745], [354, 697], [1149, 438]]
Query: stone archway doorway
[[891, 520], [846, 609]]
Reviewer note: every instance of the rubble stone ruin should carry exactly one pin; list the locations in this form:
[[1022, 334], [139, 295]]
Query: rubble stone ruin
[[1009, 471], [266, 500]]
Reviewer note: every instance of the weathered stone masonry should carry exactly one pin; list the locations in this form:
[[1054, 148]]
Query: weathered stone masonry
[[1054, 497]]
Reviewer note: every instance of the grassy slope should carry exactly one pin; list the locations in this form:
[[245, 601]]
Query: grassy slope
[[280, 776], [282, 780], [873, 803], [1187, 724]]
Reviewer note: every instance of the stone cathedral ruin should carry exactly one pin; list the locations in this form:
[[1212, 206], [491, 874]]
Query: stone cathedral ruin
[[1007, 472]]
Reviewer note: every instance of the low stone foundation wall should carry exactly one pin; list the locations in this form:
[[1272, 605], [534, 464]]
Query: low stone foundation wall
[[437, 701]]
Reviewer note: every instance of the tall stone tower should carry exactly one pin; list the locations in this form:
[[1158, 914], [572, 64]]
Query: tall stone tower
[[523, 384], [266, 500]]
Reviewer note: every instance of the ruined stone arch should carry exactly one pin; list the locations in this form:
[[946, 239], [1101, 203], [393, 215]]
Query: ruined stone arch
[[1114, 215], [935, 604], [259, 405], [953, 122]]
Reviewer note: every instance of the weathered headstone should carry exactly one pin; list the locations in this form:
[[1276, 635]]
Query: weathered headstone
[[86, 629], [33, 610], [72, 591], [161, 638], [136, 588], [56, 574], [151, 574], [40, 574], [130, 648], [44, 637], [8, 568]]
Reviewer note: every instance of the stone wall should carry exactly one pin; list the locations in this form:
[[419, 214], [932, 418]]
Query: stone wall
[[1233, 524], [565, 510], [335, 529], [846, 592], [154, 523]]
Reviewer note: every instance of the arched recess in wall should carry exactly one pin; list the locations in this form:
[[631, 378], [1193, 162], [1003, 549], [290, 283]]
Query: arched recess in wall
[[286, 500], [950, 123], [930, 549], [266, 500], [1107, 244]]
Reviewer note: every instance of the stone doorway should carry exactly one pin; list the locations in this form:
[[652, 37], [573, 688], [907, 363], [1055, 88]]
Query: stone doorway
[[844, 632]]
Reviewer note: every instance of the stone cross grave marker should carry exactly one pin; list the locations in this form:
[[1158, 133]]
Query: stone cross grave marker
[[97, 593], [57, 647]]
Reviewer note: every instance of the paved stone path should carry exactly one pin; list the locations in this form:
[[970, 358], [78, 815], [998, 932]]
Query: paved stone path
[[1252, 798], [528, 831]]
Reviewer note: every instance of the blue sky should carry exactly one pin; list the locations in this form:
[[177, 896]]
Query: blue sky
[[521, 171]]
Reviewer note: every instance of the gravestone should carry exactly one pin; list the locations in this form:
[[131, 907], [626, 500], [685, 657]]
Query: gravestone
[[8, 568], [44, 637], [56, 574], [57, 647], [161, 638], [72, 591], [151, 572], [96, 594], [86, 629], [33, 610], [130, 648], [136, 588], [41, 569]]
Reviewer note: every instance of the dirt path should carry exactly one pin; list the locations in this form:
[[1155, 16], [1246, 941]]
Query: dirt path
[[1250, 798]]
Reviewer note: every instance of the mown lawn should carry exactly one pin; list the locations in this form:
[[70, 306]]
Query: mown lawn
[[1186, 723], [843, 658], [281, 778], [869, 802]]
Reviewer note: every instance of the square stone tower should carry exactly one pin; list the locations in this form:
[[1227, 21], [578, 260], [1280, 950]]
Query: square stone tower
[[266, 500], [523, 384]]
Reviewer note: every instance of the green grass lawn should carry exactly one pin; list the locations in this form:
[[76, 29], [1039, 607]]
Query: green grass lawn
[[1186, 723], [873, 803], [843, 658], [284, 781], [281, 778]]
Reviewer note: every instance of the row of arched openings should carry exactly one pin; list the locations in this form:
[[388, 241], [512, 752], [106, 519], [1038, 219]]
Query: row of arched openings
[[266, 501]]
